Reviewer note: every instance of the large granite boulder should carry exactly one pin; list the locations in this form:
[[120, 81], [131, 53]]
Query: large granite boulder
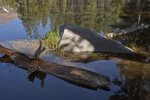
[[78, 39]]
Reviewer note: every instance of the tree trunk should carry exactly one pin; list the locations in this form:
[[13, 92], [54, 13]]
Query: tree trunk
[[126, 31], [70, 74]]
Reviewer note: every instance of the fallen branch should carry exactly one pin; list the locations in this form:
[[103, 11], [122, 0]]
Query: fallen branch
[[71, 74], [126, 31]]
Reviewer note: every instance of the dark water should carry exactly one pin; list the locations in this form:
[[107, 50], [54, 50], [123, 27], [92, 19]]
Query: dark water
[[32, 19]]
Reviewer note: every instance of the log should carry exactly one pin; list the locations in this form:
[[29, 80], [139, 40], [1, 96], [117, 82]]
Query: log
[[125, 31], [74, 75]]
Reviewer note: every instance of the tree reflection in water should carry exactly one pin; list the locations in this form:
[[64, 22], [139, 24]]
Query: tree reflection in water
[[135, 74], [136, 84], [94, 14], [41, 76], [97, 15]]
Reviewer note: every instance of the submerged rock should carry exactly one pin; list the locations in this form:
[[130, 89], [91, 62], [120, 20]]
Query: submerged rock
[[78, 39], [25, 46], [29, 47]]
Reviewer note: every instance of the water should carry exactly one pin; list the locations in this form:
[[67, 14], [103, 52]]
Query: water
[[33, 19]]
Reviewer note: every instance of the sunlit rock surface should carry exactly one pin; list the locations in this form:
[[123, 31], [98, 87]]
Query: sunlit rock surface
[[29, 47], [77, 39], [22, 45]]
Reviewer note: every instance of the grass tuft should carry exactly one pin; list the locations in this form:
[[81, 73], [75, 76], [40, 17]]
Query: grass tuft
[[52, 39]]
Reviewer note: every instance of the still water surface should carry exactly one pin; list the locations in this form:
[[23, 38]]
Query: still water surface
[[32, 19]]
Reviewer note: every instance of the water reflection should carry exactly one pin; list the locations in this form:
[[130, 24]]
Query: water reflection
[[136, 11], [100, 16], [41, 76], [135, 75], [138, 41], [7, 15], [95, 14], [136, 81]]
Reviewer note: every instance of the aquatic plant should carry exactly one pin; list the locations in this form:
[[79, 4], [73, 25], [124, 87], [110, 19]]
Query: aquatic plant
[[51, 39]]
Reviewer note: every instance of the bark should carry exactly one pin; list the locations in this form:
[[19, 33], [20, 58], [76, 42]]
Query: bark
[[74, 75], [126, 31]]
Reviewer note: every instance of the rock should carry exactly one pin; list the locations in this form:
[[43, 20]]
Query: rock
[[25, 46], [29, 47], [74, 75], [77, 39]]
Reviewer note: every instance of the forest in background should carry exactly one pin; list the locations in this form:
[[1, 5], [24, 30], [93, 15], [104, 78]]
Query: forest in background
[[97, 15]]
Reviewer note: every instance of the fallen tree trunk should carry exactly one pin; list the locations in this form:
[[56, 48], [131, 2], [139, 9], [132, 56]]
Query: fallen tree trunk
[[126, 31], [71, 74]]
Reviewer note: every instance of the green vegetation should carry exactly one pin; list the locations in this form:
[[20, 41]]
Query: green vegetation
[[98, 15], [94, 14], [52, 39]]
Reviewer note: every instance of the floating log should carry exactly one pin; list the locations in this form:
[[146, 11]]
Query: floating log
[[126, 31], [70, 74]]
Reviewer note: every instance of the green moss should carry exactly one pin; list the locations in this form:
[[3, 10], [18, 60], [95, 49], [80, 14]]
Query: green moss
[[52, 39]]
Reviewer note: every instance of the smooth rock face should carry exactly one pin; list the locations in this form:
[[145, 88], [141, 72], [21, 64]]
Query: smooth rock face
[[77, 39], [22, 45]]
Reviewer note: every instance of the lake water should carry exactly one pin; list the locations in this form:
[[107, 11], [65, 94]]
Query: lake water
[[33, 19]]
